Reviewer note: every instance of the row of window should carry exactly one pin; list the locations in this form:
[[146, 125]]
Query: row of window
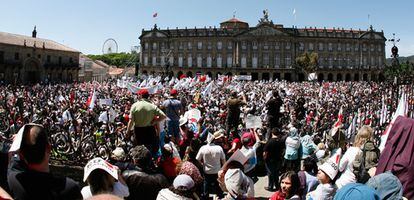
[[210, 61], [274, 45], [39, 56], [265, 61], [1, 57]]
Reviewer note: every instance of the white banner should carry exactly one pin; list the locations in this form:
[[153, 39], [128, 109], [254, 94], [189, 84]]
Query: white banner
[[243, 77], [253, 122], [107, 102]]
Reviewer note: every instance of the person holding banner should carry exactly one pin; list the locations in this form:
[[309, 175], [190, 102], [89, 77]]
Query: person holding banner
[[143, 117]]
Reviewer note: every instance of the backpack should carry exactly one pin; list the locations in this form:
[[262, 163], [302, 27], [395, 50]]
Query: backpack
[[364, 161]]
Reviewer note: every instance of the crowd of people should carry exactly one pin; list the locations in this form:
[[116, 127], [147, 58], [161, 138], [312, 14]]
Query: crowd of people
[[195, 138]]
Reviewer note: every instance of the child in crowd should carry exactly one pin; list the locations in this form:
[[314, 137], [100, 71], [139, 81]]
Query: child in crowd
[[326, 176]]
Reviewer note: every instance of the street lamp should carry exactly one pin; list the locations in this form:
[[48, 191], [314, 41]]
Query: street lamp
[[166, 64]]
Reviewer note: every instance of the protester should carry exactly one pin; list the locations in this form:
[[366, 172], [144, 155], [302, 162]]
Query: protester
[[289, 187], [273, 111], [212, 157], [191, 170], [169, 163], [238, 185], [394, 157], [292, 150], [182, 189], [173, 109], [236, 142], [356, 191], [102, 177], [144, 115], [233, 111], [365, 161], [76, 111], [29, 176], [250, 152], [346, 164], [272, 154], [118, 158], [387, 186], [326, 176], [143, 182], [307, 177], [321, 153]]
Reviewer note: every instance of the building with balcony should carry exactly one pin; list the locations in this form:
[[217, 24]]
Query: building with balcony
[[265, 51]]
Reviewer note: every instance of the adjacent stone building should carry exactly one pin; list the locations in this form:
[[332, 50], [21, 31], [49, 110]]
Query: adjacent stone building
[[91, 70], [26, 59], [266, 51]]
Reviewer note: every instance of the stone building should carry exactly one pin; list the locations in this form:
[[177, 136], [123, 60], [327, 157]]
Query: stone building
[[26, 59], [266, 51], [91, 70]]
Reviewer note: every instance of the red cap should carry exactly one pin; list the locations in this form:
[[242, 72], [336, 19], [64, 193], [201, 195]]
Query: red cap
[[173, 92], [143, 92]]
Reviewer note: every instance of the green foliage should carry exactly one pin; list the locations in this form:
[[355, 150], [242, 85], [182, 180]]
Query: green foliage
[[307, 62], [117, 59], [404, 71], [402, 59]]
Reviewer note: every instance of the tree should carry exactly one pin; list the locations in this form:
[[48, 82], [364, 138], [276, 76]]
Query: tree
[[117, 59], [307, 62], [403, 71]]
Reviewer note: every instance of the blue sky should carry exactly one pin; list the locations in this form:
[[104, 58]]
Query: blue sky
[[86, 24]]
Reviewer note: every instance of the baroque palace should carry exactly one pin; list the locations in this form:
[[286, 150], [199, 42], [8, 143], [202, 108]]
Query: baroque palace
[[266, 51], [26, 59]]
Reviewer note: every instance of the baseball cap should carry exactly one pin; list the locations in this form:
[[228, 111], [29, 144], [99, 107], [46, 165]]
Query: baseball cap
[[183, 180], [99, 163], [173, 92]]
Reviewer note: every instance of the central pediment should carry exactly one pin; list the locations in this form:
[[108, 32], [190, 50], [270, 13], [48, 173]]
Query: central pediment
[[265, 31], [154, 34]]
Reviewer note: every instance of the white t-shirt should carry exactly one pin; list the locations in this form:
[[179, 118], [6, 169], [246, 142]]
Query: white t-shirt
[[346, 167], [250, 153], [322, 192], [120, 190], [211, 156]]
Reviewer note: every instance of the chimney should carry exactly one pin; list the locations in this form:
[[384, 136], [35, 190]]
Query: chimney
[[34, 33]]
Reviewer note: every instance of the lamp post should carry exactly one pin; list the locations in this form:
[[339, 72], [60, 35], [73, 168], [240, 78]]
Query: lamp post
[[395, 63], [166, 64]]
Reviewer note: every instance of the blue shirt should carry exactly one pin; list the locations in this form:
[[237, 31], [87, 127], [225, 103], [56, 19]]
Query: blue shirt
[[172, 108]]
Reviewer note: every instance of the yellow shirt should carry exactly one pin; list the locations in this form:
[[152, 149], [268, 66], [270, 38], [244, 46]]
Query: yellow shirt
[[143, 112]]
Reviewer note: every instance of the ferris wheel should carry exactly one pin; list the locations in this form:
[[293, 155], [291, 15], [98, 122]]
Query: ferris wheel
[[110, 46]]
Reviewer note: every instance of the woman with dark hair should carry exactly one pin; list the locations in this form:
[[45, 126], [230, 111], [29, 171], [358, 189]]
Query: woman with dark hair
[[289, 187]]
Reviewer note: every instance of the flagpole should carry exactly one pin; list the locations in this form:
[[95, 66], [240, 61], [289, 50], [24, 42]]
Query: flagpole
[[294, 15]]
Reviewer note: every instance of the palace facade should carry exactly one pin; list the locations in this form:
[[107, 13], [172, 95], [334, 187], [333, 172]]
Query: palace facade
[[266, 51], [26, 59]]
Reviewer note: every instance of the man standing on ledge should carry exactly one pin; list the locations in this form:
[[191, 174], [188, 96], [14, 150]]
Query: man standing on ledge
[[144, 115], [233, 111], [174, 108]]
